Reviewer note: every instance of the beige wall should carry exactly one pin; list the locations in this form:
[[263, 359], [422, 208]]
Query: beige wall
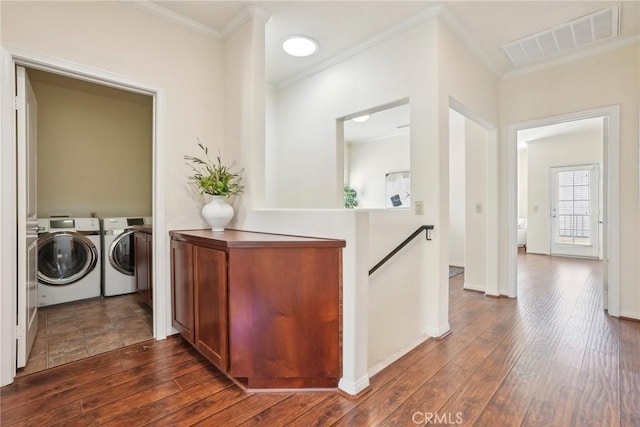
[[611, 78], [94, 149], [114, 37]]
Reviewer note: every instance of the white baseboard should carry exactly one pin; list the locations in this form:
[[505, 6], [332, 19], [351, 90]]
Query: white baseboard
[[439, 331], [630, 314], [473, 287], [353, 387], [397, 355]]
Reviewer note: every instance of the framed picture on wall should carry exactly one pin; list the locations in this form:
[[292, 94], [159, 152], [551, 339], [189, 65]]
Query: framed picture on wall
[[398, 189]]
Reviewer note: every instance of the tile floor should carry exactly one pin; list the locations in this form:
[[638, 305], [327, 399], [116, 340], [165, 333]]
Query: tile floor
[[76, 330]]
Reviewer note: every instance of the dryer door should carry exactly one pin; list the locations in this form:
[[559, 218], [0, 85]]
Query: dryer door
[[65, 257], [121, 253]]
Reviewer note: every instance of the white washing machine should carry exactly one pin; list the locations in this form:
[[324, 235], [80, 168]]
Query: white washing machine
[[69, 251], [118, 260]]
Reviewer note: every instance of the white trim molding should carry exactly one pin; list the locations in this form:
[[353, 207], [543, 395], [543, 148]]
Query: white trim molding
[[354, 387], [397, 355], [8, 222], [400, 28], [175, 18], [439, 331], [468, 40], [249, 12]]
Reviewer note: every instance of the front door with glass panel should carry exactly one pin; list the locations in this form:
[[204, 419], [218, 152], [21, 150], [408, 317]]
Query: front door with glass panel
[[575, 209]]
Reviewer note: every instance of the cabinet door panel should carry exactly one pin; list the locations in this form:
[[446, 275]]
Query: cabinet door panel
[[150, 270], [141, 264], [210, 279], [182, 289], [284, 309]]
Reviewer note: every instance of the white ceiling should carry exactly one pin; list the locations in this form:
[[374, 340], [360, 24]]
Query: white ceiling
[[526, 136], [342, 25], [381, 124]]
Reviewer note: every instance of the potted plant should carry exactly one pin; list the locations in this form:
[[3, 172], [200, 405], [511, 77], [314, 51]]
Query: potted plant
[[350, 197], [218, 181]]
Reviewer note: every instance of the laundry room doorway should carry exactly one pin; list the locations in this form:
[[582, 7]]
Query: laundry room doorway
[[94, 161]]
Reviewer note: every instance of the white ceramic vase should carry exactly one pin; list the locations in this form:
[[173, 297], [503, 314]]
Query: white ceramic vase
[[217, 213]]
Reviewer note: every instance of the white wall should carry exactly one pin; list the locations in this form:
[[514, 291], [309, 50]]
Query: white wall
[[611, 78], [308, 155], [457, 190], [396, 297], [523, 183], [475, 254], [271, 149], [370, 161], [310, 165], [468, 86], [430, 65], [561, 150]]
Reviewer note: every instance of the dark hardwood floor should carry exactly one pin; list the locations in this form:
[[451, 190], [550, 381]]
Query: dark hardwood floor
[[550, 358]]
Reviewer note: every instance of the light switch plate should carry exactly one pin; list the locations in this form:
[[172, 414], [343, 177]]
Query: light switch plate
[[419, 207]]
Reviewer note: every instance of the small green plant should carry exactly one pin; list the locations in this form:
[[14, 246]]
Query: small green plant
[[350, 197], [214, 178]]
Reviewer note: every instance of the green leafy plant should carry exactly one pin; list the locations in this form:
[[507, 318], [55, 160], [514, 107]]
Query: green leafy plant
[[214, 178], [350, 197]]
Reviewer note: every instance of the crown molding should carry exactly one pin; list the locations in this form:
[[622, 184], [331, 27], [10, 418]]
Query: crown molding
[[433, 11], [451, 21], [403, 26], [565, 59], [175, 18], [249, 12]]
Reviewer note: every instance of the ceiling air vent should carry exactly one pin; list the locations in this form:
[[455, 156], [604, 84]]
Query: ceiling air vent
[[593, 28]]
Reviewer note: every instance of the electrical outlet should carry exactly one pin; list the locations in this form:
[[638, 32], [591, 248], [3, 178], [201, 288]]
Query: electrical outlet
[[478, 207], [419, 207]]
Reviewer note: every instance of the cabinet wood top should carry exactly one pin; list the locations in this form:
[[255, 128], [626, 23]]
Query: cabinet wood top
[[248, 239], [143, 228]]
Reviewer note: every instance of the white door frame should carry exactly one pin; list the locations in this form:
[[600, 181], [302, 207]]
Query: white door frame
[[9, 58], [611, 196]]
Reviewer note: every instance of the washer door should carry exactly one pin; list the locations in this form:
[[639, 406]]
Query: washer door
[[121, 253], [65, 257]]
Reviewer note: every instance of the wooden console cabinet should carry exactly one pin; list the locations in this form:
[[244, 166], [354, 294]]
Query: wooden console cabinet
[[266, 309]]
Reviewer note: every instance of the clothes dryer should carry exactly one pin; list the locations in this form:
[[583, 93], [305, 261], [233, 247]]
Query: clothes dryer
[[118, 262], [69, 251]]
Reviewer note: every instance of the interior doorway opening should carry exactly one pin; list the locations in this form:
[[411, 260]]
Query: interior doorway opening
[[469, 189], [92, 163], [603, 153]]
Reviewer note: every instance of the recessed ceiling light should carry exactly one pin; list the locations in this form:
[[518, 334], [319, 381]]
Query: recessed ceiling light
[[361, 118], [300, 45]]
